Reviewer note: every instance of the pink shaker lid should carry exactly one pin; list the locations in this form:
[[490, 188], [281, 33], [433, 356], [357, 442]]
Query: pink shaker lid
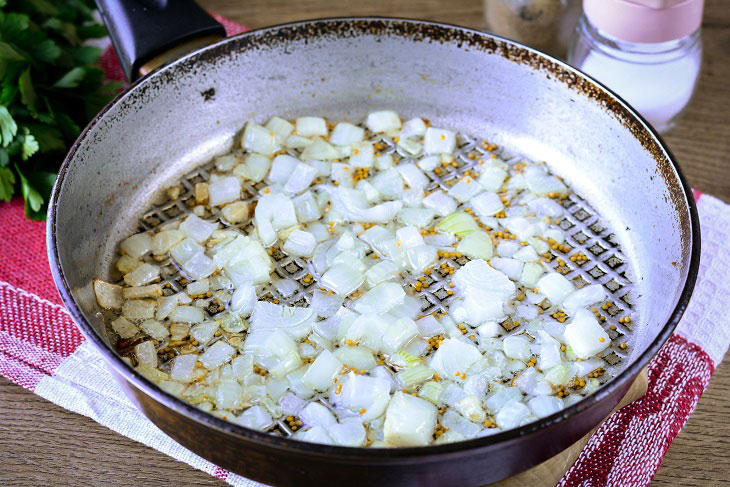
[[645, 21]]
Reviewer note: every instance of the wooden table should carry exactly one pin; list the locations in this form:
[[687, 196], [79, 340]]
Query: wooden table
[[42, 444]]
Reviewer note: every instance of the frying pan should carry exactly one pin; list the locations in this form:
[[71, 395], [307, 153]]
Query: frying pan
[[633, 216]]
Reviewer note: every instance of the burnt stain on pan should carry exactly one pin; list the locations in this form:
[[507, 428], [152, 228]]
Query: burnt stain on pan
[[208, 94]]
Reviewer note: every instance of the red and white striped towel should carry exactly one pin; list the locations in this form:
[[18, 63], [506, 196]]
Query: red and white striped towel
[[42, 350]]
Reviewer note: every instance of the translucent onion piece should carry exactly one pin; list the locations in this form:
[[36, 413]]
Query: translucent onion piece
[[295, 321], [342, 279], [439, 141], [137, 245], [383, 121], [585, 336], [108, 296], [345, 134], [308, 126], [409, 421], [259, 139], [197, 229], [555, 287], [224, 190]]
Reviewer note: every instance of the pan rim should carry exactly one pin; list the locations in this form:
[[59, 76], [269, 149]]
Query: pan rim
[[391, 455]]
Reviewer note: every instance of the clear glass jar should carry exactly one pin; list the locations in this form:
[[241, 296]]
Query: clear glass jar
[[657, 79], [546, 25]]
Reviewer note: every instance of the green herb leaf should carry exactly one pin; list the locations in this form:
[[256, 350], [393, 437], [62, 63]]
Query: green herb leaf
[[33, 199], [8, 127], [9, 53], [49, 138], [44, 6], [47, 51], [7, 183], [86, 54], [30, 145], [27, 92], [71, 79]]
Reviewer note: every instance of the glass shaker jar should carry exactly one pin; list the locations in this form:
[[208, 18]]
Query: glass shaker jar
[[546, 25], [648, 51]]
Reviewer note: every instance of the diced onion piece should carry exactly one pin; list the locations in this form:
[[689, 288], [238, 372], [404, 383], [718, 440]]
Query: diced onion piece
[[531, 272], [543, 406], [299, 243], [478, 274], [225, 163], [409, 420], [471, 408], [183, 368], [345, 134], [259, 139], [492, 178], [295, 321], [282, 128], [454, 356], [398, 334], [256, 418], [417, 217], [281, 168], [216, 355], [325, 304], [146, 354], [108, 296], [230, 322], [273, 212], [342, 279], [517, 347], [309, 126], [413, 176], [306, 207], [546, 207], [163, 241], [526, 254], [381, 298], [512, 268], [585, 296], [184, 250], [350, 432], [197, 228], [389, 183], [235, 212], [486, 204], [362, 154], [439, 141], [127, 264], [384, 270], [465, 189], [155, 329], [410, 146], [224, 190], [243, 299], [321, 373], [360, 392], [204, 332], [228, 394], [256, 167], [187, 314], [414, 127], [355, 357], [420, 257], [476, 245], [320, 150], [383, 121], [543, 185], [411, 376], [440, 202], [458, 223], [585, 336], [511, 415], [429, 163], [137, 245], [555, 287], [124, 328], [300, 178], [139, 309]]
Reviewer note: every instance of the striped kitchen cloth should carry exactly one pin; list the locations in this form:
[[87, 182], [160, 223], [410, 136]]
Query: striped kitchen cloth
[[42, 350]]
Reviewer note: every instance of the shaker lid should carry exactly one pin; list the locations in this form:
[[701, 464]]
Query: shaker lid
[[645, 21]]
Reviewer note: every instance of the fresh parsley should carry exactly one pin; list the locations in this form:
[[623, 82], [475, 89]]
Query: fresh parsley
[[51, 87]]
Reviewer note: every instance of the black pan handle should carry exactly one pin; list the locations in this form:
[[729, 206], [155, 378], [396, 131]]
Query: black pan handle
[[140, 30]]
